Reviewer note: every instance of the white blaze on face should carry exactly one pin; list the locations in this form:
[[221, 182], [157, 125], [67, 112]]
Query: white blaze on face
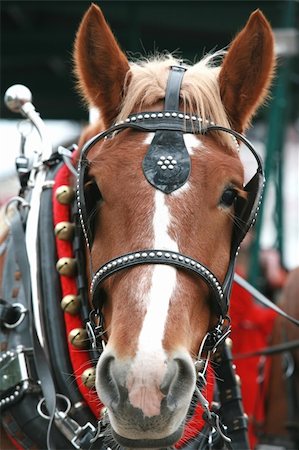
[[149, 365]]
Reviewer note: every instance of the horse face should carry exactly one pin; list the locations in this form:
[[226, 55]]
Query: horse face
[[155, 315]]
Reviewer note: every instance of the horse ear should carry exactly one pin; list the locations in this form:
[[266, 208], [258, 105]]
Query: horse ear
[[247, 71], [100, 66]]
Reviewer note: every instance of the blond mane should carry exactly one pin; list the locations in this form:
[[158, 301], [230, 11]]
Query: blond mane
[[200, 92]]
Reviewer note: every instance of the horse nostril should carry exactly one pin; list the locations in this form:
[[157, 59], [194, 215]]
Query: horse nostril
[[169, 377], [177, 381], [106, 385]]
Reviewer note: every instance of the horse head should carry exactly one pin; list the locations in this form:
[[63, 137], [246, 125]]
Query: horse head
[[156, 316]]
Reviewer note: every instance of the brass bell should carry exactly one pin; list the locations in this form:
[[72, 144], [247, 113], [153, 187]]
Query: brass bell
[[65, 194], [67, 266], [88, 377], [78, 338], [65, 231], [71, 304]]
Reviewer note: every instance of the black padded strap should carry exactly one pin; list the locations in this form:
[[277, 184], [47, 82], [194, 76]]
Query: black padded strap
[[172, 96], [42, 367]]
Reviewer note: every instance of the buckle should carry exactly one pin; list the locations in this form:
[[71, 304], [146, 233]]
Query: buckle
[[16, 374], [79, 436]]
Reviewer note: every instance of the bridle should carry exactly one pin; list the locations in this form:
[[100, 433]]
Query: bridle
[[169, 127]]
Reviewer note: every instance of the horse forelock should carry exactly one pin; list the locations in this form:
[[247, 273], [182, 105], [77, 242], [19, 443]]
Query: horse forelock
[[200, 94]]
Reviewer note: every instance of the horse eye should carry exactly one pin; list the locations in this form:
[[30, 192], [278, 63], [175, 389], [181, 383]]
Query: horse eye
[[229, 196]]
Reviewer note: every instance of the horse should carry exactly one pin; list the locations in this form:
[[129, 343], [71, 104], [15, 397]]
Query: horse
[[163, 207], [280, 425]]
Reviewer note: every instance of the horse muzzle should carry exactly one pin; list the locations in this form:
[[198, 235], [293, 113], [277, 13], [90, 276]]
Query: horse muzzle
[[147, 397]]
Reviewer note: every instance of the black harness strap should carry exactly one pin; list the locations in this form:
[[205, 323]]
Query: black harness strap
[[154, 256], [42, 367], [167, 164], [230, 398], [173, 88]]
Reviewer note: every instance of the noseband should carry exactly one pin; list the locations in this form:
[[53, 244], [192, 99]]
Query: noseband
[[166, 166]]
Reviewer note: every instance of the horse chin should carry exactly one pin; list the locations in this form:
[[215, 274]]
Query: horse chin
[[145, 443], [160, 431]]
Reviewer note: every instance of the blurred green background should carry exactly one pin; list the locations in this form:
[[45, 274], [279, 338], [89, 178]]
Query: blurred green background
[[37, 39]]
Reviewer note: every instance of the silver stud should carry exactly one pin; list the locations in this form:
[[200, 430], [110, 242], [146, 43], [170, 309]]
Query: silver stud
[[131, 257], [137, 255], [192, 263], [181, 116], [167, 255], [144, 255], [159, 254], [174, 161], [174, 256], [128, 120], [181, 258], [167, 114], [162, 158], [167, 162], [133, 118], [152, 254], [193, 117], [146, 116], [174, 114], [163, 167], [187, 117], [153, 116], [170, 166], [140, 116], [160, 115], [160, 163], [187, 260], [114, 263], [119, 260]]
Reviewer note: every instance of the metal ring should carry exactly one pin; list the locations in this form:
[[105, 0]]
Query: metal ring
[[43, 400], [22, 311]]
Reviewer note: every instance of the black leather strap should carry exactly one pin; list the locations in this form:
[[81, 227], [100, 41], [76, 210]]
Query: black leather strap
[[167, 164], [42, 367], [154, 256], [231, 411], [172, 96]]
